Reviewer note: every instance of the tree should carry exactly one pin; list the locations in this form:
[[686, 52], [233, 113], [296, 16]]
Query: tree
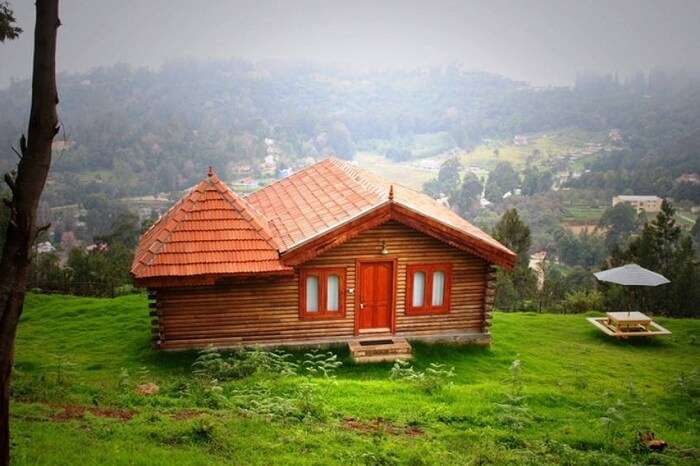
[[26, 185], [340, 140], [515, 288], [8, 29], [502, 179], [620, 221], [447, 181], [663, 248], [466, 199], [514, 234], [536, 181]]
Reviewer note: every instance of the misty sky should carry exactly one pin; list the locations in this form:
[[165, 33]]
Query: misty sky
[[544, 42]]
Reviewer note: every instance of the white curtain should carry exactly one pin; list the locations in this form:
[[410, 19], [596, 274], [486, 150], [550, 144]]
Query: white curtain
[[438, 288], [311, 294], [333, 293], [418, 288]]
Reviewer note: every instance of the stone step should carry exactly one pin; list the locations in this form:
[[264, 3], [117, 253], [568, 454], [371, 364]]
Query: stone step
[[380, 349]]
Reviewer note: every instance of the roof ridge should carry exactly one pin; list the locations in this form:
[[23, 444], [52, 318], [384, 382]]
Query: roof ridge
[[210, 194], [242, 205]]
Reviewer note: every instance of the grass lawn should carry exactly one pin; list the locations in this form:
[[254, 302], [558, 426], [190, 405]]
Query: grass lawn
[[578, 398]]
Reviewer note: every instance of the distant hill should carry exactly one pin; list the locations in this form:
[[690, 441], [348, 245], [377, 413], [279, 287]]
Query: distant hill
[[136, 132], [654, 172]]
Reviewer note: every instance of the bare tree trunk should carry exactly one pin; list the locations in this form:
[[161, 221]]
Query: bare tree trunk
[[26, 188]]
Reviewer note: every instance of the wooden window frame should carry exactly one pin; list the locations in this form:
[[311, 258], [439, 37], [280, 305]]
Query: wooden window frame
[[427, 308], [322, 273]]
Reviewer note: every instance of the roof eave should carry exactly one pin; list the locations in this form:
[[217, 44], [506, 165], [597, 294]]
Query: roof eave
[[175, 281]]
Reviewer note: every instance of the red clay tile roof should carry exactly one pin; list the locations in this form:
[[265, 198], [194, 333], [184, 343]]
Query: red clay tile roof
[[209, 232], [212, 232], [331, 192]]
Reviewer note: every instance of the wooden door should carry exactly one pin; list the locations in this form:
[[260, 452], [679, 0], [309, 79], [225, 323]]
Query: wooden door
[[375, 296]]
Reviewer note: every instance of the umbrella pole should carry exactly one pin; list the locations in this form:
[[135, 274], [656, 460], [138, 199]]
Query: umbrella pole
[[631, 303]]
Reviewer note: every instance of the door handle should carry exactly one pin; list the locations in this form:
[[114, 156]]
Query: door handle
[[362, 305]]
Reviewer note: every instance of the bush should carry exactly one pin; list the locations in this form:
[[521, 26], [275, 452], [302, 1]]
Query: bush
[[581, 301], [213, 365]]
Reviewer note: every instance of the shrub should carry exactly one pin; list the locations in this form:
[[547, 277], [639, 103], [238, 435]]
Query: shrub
[[213, 365], [581, 301], [317, 363]]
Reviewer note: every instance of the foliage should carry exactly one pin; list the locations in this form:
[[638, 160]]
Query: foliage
[[578, 302], [8, 28], [652, 164], [536, 181], [503, 179], [101, 271], [587, 250], [447, 181], [211, 364], [663, 248], [317, 363], [512, 232], [513, 412], [515, 289], [432, 380], [466, 199], [621, 222]]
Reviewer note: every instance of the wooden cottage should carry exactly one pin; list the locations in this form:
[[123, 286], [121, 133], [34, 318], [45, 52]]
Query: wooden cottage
[[329, 254]]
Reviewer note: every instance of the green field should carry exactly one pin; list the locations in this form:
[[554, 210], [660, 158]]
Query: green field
[[578, 398], [400, 172], [483, 156]]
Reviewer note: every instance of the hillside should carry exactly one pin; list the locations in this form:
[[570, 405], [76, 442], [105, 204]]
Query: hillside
[[575, 398], [133, 132]]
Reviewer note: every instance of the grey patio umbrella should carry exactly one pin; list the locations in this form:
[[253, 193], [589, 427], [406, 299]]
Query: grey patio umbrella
[[631, 275]]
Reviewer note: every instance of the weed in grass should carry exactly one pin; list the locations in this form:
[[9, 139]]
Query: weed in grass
[[42, 382], [433, 380], [318, 363], [513, 412], [612, 421]]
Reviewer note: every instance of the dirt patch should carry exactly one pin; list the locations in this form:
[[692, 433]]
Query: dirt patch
[[70, 412], [381, 425], [147, 389]]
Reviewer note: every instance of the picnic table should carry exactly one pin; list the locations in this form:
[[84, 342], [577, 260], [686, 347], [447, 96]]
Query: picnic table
[[628, 324], [623, 321]]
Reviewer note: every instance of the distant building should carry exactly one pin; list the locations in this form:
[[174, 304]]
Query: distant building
[[640, 203], [692, 178], [97, 247], [285, 172]]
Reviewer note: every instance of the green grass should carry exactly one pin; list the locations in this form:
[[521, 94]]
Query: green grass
[[400, 172], [549, 145], [73, 352], [583, 214]]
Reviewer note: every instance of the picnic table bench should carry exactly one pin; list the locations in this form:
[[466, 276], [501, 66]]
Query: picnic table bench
[[628, 324]]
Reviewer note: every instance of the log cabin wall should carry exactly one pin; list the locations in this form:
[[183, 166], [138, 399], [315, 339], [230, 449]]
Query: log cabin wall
[[266, 311]]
